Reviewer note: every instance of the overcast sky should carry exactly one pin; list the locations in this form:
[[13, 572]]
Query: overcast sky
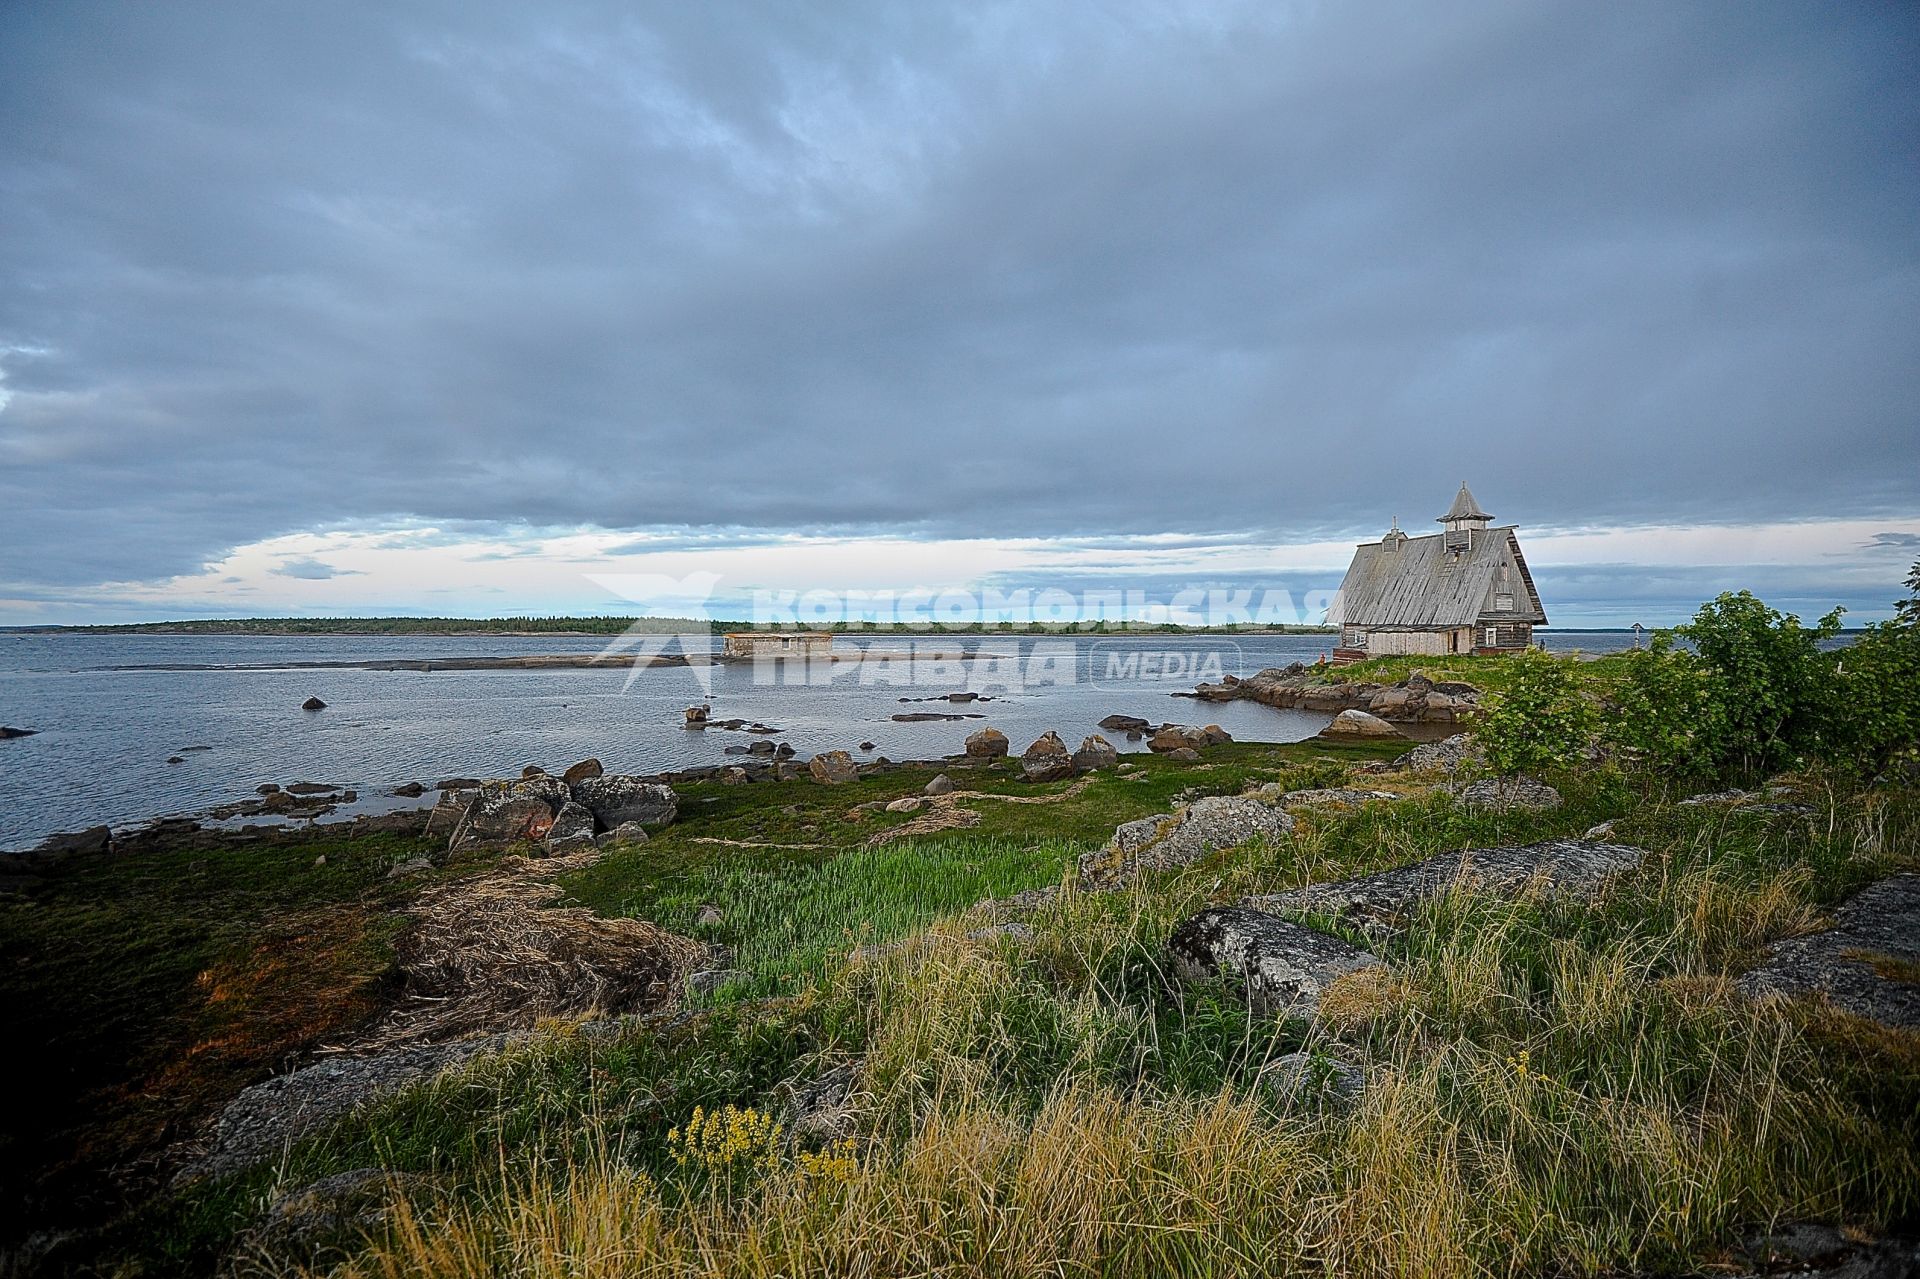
[[328, 308]]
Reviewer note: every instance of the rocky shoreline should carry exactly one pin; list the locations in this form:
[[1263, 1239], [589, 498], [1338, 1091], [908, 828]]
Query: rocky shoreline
[[1414, 700]]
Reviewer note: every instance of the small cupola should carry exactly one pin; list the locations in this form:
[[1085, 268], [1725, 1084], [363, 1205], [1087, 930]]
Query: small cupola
[[1463, 519], [1394, 539]]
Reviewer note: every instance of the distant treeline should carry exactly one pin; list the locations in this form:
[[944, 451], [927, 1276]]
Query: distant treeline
[[617, 625]]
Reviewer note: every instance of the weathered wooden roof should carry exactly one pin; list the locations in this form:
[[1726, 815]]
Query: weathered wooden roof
[[1464, 507], [1422, 584]]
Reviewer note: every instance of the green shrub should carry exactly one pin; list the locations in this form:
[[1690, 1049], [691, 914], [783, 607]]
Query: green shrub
[[1540, 720], [1773, 688], [1877, 719], [1665, 715]]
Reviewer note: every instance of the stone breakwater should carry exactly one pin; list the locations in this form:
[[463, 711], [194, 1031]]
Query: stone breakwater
[[1414, 700]]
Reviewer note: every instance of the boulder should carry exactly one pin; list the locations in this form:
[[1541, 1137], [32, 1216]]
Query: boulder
[[987, 743], [734, 776], [1341, 796], [1214, 735], [1126, 724], [1173, 737], [761, 747], [94, 839], [1503, 793], [270, 788], [449, 813], [329, 1216], [940, 785], [311, 788], [1047, 760], [906, 804], [508, 812], [7, 734], [1863, 965], [409, 790], [697, 716], [1095, 752], [1359, 724], [1446, 756], [457, 783], [1578, 867], [586, 768], [822, 1111], [624, 833], [1184, 755], [617, 798], [1279, 967], [866, 746], [411, 866], [833, 768], [313, 704], [784, 751], [571, 825], [1183, 837], [533, 770], [1304, 1079], [712, 979]]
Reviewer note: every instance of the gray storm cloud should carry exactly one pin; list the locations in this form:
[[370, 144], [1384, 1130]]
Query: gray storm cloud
[[1074, 270]]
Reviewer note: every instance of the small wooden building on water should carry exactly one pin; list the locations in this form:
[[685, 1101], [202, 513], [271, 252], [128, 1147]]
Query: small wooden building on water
[[1465, 589], [779, 645]]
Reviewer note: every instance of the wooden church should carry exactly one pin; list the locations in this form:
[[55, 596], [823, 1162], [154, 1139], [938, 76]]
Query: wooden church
[[1465, 589]]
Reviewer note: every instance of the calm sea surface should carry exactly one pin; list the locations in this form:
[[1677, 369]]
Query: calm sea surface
[[105, 735]]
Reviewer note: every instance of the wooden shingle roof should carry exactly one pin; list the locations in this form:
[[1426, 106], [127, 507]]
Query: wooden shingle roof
[[1422, 584]]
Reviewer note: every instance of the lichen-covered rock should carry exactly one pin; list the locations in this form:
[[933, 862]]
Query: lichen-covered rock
[[1280, 967], [1448, 755], [624, 833], [572, 829], [1314, 1079], [1047, 760], [987, 743], [825, 1109], [833, 768], [906, 804], [1095, 752], [616, 798], [940, 785], [1183, 837], [1554, 866], [1503, 793], [510, 812], [1339, 796], [328, 1217], [1864, 964], [1184, 755], [1354, 724]]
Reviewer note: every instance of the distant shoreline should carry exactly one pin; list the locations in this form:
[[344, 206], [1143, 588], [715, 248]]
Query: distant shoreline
[[404, 628]]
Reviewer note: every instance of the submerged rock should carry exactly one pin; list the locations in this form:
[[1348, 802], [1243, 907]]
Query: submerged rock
[[1126, 724], [9, 733], [1280, 967]]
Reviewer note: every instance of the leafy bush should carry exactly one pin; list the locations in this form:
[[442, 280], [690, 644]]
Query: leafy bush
[[1540, 720], [1878, 688], [1774, 690], [1665, 716]]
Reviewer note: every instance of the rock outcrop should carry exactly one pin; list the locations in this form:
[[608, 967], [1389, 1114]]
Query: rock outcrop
[[1415, 700], [1449, 755], [510, 812], [1183, 837], [1169, 738], [1866, 964], [1555, 866], [1280, 967]]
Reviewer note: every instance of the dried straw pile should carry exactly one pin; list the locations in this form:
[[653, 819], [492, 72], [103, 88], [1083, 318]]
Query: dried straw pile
[[494, 954]]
